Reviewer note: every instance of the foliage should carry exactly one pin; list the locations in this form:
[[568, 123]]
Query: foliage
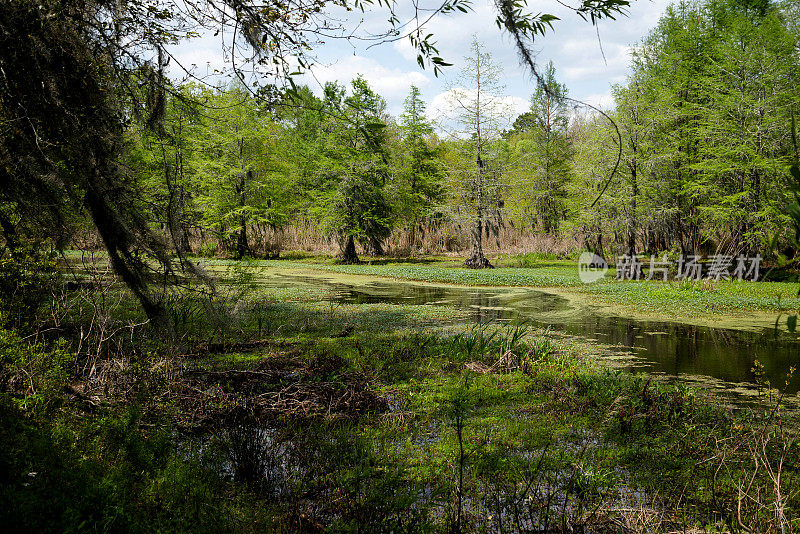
[[475, 170], [354, 168], [278, 409], [541, 434], [28, 278], [106, 474], [417, 188], [60, 139], [35, 373], [540, 154], [702, 156], [239, 170]]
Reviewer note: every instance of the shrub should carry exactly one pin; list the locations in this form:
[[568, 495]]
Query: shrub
[[34, 374], [26, 282]]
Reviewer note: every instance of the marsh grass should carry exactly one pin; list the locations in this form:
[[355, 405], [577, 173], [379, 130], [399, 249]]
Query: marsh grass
[[731, 302], [278, 410]]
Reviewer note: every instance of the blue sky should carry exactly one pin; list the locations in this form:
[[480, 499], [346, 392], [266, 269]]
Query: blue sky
[[391, 68]]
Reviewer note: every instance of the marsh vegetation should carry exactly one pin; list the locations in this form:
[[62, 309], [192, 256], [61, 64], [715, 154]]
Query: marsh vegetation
[[241, 303], [288, 402]]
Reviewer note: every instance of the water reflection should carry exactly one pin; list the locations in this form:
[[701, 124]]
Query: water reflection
[[671, 348]]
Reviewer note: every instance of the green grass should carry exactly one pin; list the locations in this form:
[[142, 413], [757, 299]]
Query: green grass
[[548, 433], [567, 426], [677, 300], [705, 301], [374, 397]]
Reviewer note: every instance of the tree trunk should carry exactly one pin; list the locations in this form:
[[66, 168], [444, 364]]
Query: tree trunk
[[476, 259], [375, 247], [185, 245], [349, 255], [633, 224], [124, 257], [242, 247], [595, 247]]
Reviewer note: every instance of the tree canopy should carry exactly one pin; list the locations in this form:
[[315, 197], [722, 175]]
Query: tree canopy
[[75, 73]]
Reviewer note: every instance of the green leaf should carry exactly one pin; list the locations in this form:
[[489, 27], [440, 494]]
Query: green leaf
[[774, 243], [791, 323]]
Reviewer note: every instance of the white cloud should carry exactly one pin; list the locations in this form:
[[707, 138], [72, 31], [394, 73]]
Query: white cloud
[[613, 68], [517, 105], [405, 49], [391, 68], [202, 56], [200, 62], [392, 83], [588, 64], [443, 109], [604, 101]]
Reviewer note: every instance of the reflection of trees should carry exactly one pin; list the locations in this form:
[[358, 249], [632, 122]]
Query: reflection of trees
[[478, 301], [683, 349]]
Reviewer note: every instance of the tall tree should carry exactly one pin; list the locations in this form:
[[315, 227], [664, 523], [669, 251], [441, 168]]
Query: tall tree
[[636, 122], [541, 153], [595, 216], [351, 203], [697, 102], [240, 173], [479, 113], [748, 93], [65, 64], [162, 159], [418, 178], [61, 142]]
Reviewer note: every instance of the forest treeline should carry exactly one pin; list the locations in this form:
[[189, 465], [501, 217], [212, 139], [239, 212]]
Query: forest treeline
[[704, 121], [134, 398]]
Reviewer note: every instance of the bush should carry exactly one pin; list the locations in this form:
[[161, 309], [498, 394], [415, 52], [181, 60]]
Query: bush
[[531, 259], [26, 282], [108, 475], [34, 374]]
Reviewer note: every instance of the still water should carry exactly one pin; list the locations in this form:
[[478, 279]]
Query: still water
[[720, 357]]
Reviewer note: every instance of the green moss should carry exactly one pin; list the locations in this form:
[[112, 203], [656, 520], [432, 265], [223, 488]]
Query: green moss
[[541, 420], [732, 304]]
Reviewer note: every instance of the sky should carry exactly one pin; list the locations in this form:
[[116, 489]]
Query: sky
[[587, 59]]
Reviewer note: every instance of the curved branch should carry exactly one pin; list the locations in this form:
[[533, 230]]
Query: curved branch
[[509, 13]]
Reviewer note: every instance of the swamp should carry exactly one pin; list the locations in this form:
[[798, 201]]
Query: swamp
[[329, 281], [308, 396]]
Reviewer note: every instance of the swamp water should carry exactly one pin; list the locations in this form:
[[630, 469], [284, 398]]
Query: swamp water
[[712, 357], [720, 358]]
